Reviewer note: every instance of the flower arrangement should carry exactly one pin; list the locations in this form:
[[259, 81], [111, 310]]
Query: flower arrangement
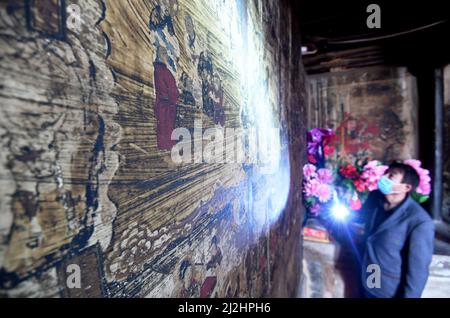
[[356, 181], [350, 182], [318, 187]]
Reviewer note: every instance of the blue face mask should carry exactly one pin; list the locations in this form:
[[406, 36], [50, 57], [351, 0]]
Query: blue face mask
[[385, 185]]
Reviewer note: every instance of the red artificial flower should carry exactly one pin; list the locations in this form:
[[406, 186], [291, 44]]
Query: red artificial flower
[[328, 150], [359, 185], [312, 159], [349, 171]]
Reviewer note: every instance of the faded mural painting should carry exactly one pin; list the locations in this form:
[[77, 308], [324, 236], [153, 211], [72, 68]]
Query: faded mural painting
[[86, 172], [342, 100]]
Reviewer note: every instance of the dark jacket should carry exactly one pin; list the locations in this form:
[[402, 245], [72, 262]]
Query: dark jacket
[[402, 247]]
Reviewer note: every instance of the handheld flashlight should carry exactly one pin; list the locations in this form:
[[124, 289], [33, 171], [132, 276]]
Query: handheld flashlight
[[339, 211]]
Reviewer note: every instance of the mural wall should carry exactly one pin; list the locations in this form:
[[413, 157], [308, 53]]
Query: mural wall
[[373, 111], [91, 92]]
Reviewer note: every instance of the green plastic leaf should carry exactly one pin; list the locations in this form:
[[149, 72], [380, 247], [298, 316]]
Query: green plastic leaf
[[419, 197]]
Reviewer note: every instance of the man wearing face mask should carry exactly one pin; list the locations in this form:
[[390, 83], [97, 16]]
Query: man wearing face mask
[[399, 237]]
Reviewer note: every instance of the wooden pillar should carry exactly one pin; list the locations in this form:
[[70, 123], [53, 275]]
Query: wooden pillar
[[438, 125]]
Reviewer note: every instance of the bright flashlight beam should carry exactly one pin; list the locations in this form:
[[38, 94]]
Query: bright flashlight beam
[[340, 212]]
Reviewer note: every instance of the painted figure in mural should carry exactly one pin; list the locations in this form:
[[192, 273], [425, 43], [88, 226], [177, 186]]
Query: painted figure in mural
[[216, 94], [392, 133], [187, 100], [190, 287], [216, 254], [162, 30], [206, 73], [208, 287], [186, 90], [159, 21], [212, 91], [355, 135], [166, 100], [193, 44], [190, 31]]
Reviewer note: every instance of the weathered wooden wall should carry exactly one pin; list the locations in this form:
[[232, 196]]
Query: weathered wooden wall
[[373, 111], [86, 172]]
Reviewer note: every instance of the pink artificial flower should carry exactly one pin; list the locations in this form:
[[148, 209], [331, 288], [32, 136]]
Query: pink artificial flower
[[323, 192], [325, 175], [424, 186], [372, 172], [355, 203], [372, 164], [360, 185], [310, 187], [309, 170], [381, 169], [424, 189]]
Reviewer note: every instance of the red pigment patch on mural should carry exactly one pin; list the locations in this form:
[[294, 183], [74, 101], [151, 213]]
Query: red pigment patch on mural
[[165, 106], [273, 240], [208, 286], [262, 262], [355, 134]]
